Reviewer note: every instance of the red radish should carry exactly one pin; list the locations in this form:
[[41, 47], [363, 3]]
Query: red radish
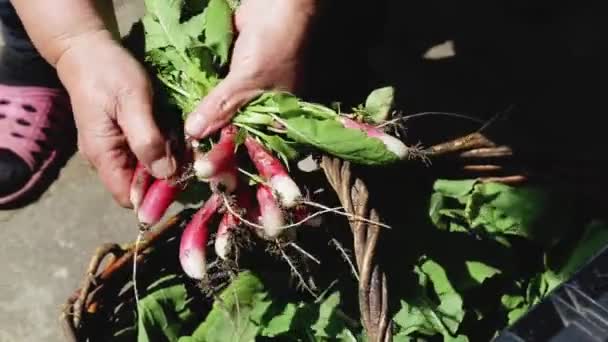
[[390, 142], [229, 222], [157, 200], [194, 239], [225, 181], [222, 239], [271, 215], [273, 171], [139, 185], [220, 157]]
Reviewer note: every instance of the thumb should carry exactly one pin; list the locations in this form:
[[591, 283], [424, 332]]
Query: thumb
[[145, 139], [219, 106]]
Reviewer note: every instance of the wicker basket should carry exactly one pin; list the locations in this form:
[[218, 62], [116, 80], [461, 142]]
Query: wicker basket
[[110, 268]]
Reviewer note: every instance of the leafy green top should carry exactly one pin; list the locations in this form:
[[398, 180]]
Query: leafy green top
[[189, 56]]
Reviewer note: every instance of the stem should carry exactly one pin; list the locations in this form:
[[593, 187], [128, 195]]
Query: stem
[[250, 129], [255, 178], [262, 109], [176, 89]]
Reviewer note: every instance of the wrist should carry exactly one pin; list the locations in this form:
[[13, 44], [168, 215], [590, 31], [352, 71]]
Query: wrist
[[73, 54]]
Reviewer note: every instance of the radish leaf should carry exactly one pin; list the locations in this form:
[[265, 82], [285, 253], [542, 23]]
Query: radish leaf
[[246, 310], [425, 315], [164, 311], [331, 137], [379, 104], [218, 29]]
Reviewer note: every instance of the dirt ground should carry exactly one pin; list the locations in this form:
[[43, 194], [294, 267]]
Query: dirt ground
[[46, 246]]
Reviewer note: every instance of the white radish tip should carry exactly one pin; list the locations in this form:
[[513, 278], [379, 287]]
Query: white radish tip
[[222, 247], [136, 199], [272, 221], [288, 191], [193, 263], [145, 219], [203, 168], [395, 145]]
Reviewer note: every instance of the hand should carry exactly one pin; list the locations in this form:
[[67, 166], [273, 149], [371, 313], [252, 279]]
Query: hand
[[112, 102], [267, 54]]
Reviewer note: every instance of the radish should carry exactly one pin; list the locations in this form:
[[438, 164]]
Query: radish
[[273, 171], [223, 245], [157, 200], [194, 239], [139, 185], [391, 143], [225, 181], [229, 222], [220, 157], [271, 216]]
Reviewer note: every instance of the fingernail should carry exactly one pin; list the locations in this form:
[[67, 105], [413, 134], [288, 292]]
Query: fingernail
[[163, 168], [196, 124]]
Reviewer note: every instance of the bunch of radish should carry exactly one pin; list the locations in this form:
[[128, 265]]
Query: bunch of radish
[[268, 208], [232, 197]]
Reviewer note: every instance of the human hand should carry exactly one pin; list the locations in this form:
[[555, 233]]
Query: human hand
[[267, 54], [112, 102]]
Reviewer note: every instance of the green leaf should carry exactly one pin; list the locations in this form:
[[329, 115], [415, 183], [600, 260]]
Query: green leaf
[[497, 210], [480, 271], [195, 26], [162, 25], [285, 102], [229, 320], [280, 146], [516, 314], [454, 188], [529, 212], [422, 314], [326, 312], [246, 310], [218, 30], [253, 118], [163, 313], [330, 136], [379, 103], [280, 323]]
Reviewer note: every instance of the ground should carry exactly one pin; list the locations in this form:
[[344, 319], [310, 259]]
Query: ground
[[47, 245]]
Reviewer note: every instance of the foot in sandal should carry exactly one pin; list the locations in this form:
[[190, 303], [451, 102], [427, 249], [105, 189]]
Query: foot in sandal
[[36, 124]]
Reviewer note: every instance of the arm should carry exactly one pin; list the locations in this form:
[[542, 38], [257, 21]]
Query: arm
[[65, 22], [110, 92]]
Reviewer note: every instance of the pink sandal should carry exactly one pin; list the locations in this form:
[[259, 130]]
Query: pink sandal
[[36, 125]]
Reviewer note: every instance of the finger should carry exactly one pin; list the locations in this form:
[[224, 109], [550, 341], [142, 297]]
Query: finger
[[217, 108], [112, 162], [145, 139]]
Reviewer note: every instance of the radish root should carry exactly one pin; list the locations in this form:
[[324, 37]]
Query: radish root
[[295, 271], [304, 252], [345, 256]]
